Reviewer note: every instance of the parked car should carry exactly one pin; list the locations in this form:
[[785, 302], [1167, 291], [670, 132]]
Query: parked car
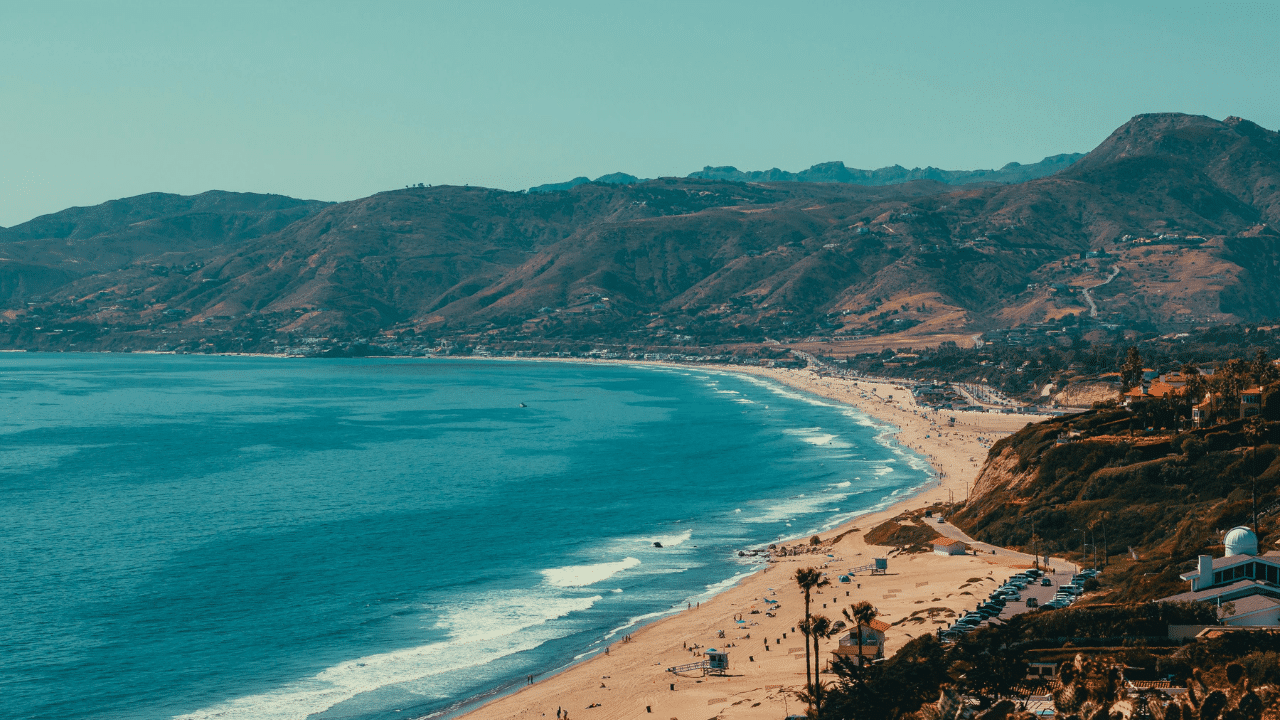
[[1046, 582], [1032, 602], [1014, 596]]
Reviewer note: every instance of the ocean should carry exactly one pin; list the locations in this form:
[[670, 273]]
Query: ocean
[[271, 539]]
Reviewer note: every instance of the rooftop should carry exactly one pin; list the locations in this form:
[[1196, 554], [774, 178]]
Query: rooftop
[[1272, 557], [1250, 604], [1238, 588]]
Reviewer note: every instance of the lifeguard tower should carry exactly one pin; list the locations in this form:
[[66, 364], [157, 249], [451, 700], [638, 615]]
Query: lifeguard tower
[[879, 566], [716, 662]]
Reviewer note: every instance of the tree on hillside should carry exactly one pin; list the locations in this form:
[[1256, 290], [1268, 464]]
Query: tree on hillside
[[1263, 370], [809, 579], [1131, 371], [1232, 377]]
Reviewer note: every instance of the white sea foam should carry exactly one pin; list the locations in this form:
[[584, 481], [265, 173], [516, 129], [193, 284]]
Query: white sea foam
[[480, 632], [846, 483], [639, 619], [716, 588], [793, 507], [668, 541], [583, 575], [779, 390]]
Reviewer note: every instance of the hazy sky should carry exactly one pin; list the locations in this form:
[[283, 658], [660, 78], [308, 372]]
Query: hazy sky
[[340, 100]]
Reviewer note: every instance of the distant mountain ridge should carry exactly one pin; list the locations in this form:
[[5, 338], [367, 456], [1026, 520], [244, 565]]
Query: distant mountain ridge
[[837, 172], [892, 175], [1177, 213]]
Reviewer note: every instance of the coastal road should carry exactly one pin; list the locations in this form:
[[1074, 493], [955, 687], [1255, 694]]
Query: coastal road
[[1093, 307], [946, 529]]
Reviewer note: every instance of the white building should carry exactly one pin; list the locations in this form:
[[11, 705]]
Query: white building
[[947, 546], [1243, 584]]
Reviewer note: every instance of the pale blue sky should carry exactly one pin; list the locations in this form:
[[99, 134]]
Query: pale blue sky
[[336, 101]]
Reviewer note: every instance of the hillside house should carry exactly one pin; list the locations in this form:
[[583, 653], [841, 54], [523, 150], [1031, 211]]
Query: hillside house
[[1202, 413], [1243, 584], [947, 546], [1156, 389], [1250, 402]]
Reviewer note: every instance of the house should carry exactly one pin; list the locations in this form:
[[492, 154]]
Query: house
[[872, 643], [1243, 584], [1044, 671], [947, 546], [1251, 610], [1202, 413], [1250, 402]]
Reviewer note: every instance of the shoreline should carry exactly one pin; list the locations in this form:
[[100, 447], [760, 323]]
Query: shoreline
[[764, 676], [586, 687]]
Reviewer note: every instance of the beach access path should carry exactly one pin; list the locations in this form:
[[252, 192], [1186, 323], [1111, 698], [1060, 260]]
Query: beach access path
[[919, 594]]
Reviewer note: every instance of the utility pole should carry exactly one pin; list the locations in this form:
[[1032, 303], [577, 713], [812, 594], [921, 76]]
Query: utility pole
[[1035, 551], [1106, 559], [1255, 497]]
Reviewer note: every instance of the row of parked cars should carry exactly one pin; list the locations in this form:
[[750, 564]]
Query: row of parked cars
[[1011, 591], [1068, 593]]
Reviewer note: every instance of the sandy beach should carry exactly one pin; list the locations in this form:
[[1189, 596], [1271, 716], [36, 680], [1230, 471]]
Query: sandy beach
[[920, 592]]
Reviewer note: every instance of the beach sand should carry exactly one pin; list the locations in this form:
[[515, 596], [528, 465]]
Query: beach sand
[[633, 676]]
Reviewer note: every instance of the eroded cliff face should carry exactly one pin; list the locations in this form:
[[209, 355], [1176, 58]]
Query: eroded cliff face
[[1145, 504], [1001, 474]]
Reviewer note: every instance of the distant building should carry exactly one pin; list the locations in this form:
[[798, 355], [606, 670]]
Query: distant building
[[947, 546], [1243, 585], [1157, 389], [1043, 671], [872, 642], [1250, 402], [1202, 413]]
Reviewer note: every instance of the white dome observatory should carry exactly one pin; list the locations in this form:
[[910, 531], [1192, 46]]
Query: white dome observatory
[[1241, 541]]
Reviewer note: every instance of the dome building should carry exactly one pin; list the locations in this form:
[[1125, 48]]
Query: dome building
[[1243, 584], [1240, 540]]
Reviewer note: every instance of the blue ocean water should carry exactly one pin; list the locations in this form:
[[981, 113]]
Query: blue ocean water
[[266, 539]]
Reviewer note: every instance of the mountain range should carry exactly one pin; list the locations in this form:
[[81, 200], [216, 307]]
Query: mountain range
[[837, 172], [1168, 223]]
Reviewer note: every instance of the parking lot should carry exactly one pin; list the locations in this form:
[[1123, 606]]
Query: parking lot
[[1035, 589]]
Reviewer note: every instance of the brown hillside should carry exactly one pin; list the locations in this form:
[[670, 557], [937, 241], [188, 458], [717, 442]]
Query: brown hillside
[[1182, 205]]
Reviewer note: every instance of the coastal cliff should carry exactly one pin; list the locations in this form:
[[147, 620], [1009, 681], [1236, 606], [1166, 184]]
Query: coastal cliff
[[1102, 488]]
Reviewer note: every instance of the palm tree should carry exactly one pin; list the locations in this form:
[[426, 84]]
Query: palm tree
[[860, 613], [819, 627], [809, 579]]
